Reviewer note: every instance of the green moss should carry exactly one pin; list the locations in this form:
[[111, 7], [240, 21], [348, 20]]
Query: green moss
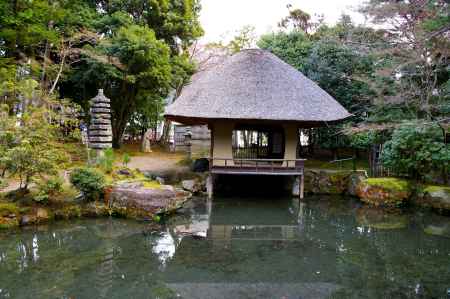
[[151, 184], [7, 208], [432, 189], [389, 183]]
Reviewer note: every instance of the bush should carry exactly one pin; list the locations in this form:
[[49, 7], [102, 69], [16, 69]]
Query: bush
[[31, 149], [89, 182], [106, 162], [126, 159], [49, 188], [417, 150]]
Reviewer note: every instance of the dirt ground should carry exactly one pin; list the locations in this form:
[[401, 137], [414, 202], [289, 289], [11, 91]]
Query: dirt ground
[[158, 161]]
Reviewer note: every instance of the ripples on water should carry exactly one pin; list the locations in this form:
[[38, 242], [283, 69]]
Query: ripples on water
[[235, 248]]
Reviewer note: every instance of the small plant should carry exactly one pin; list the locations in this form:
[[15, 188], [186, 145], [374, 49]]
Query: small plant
[[48, 188], [3, 183], [126, 159], [89, 182], [106, 162]]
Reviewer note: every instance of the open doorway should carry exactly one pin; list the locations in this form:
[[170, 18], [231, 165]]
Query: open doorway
[[258, 143]]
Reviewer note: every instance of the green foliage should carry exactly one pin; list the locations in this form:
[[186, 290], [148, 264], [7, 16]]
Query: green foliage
[[340, 70], [126, 159], [7, 208], [138, 62], [293, 47], [29, 150], [89, 181], [416, 149], [364, 140], [106, 161], [48, 188]]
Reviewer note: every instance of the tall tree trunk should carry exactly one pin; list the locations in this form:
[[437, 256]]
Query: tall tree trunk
[[165, 136]]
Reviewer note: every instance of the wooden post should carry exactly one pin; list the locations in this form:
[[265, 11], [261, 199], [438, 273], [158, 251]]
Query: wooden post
[[302, 185], [210, 185]]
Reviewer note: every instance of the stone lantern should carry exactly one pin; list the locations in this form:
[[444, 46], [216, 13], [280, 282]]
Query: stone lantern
[[100, 130], [188, 143]]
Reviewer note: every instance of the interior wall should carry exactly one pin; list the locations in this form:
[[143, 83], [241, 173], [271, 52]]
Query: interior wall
[[223, 131], [290, 152]]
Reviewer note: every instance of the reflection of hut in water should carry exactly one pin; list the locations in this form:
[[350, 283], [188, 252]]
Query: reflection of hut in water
[[255, 104]]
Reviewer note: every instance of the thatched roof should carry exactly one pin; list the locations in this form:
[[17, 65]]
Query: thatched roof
[[254, 85]]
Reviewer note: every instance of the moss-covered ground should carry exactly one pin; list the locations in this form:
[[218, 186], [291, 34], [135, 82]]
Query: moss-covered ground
[[395, 184]]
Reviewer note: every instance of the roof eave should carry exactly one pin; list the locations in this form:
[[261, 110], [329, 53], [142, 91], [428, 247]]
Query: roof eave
[[193, 120]]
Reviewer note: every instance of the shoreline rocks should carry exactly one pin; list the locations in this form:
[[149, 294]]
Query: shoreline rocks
[[134, 200], [333, 182], [385, 192], [437, 197]]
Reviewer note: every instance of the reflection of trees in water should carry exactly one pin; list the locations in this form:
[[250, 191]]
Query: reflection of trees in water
[[375, 254], [348, 244]]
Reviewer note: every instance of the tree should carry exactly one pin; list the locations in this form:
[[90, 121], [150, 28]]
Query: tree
[[30, 150], [418, 48], [139, 58], [417, 149], [341, 70]]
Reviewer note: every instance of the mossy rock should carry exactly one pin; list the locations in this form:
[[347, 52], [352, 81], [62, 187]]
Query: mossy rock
[[389, 192], [37, 215], [8, 208], [7, 222], [95, 209], [437, 197], [68, 212], [326, 182]]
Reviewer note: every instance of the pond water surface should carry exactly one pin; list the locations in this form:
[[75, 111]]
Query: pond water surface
[[235, 248]]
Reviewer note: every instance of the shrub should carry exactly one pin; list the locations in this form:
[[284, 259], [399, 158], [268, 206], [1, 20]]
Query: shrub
[[417, 150], [106, 162], [48, 188], [29, 150], [89, 182], [126, 159]]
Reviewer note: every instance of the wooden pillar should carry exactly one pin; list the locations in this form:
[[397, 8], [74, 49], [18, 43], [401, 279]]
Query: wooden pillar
[[210, 185], [302, 185], [298, 186]]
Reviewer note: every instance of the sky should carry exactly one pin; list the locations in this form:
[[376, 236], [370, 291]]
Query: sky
[[221, 18]]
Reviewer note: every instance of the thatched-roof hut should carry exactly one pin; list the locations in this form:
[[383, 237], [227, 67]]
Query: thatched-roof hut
[[254, 104]]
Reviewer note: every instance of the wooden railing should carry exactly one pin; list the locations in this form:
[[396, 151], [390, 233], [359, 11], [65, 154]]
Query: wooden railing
[[257, 165]]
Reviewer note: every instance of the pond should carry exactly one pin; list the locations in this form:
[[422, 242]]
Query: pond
[[235, 248]]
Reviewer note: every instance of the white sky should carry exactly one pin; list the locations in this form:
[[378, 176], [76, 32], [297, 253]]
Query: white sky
[[221, 18]]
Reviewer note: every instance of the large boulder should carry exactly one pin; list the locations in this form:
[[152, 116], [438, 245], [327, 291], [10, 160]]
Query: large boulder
[[354, 180], [326, 182], [135, 200], [437, 197], [36, 216], [333, 182], [194, 186], [386, 192], [200, 165], [9, 215]]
